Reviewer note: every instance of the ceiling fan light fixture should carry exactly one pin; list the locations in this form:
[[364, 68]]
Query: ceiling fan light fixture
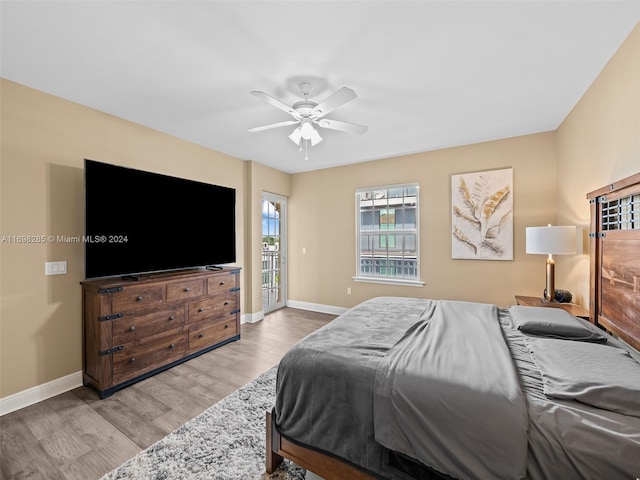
[[295, 136], [306, 128], [315, 138]]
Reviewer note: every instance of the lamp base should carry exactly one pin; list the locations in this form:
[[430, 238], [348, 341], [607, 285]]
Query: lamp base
[[549, 292]]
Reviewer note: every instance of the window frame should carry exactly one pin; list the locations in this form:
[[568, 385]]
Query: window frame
[[388, 279]]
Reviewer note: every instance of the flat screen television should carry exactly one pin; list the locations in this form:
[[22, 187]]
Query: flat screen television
[[141, 222]]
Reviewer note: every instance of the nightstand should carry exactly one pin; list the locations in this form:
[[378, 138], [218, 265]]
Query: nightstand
[[574, 309]]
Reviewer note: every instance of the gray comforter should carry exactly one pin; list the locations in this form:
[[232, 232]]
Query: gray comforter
[[464, 415], [325, 400], [325, 382]]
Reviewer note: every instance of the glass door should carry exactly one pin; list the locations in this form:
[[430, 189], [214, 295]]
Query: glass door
[[273, 252]]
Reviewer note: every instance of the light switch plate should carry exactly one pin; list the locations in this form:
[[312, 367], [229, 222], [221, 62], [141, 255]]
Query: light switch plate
[[55, 268]]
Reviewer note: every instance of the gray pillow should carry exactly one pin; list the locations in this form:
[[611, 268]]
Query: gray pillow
[[602, 376], [553, 323]]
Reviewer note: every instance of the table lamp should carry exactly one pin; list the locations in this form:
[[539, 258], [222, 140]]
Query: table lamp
[[551, 240]]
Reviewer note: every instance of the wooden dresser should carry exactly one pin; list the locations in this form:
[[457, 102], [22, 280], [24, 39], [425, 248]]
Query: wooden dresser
[[135, 329]]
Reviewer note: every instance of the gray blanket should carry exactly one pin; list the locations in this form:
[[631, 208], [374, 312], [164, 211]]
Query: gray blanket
[[325, 382], [464, 414]]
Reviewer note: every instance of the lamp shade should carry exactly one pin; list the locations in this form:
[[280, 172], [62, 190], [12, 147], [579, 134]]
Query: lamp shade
[[556, 240]]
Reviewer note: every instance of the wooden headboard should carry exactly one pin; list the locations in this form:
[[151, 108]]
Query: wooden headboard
[[614, 248]]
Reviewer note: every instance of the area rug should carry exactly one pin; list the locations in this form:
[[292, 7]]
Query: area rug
[[225, 442]]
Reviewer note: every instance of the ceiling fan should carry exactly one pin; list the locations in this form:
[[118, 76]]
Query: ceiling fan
[[307, 113]]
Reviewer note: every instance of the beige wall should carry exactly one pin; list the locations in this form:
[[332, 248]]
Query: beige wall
[[322, 215], [598, 143], [44, 142]]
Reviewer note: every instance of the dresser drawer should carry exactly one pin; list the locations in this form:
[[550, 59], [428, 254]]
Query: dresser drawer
[[220, 283], [137, 359], [211, 307], [137, 297], [136, 328], [211, 333], [185, 290]]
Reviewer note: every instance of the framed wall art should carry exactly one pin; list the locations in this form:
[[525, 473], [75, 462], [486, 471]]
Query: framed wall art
[[482, 215]]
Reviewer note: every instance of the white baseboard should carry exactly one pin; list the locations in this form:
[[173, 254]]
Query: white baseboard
[[252, 317], [40, 392], [316, 307]]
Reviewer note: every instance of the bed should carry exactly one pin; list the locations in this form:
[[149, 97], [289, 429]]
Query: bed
[[384, 392]]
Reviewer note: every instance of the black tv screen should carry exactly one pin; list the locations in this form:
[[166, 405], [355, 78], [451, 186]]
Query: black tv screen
[[141, 222]]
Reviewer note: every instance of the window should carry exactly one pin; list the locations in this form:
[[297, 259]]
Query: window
[[387, 233]]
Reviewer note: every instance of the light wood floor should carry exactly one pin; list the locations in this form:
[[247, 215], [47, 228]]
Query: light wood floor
[[78, 436]]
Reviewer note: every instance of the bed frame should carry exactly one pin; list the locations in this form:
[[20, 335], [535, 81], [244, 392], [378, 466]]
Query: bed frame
[[329, 468], [614, 251]]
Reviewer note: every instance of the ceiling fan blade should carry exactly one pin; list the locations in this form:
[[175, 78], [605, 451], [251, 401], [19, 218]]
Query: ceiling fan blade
[[275, 102], [339, 98], [273, 125], [342, 126]]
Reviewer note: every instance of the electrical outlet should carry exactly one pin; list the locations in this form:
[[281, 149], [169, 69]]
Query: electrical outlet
[[349, 291], [55, 268]]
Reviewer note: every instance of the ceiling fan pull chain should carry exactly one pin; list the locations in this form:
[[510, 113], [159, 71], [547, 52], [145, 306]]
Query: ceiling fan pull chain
[[306, 149]]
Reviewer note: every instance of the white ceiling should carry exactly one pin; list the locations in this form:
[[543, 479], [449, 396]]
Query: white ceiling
[[428, 74]]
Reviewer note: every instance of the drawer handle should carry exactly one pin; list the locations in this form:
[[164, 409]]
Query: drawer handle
[[172, 317], [186, 289], [221, 283], [200, 310], [132, 360], [132, 329], [173, 345], [201, 335], [226, 303], [139, 299], [226, 325]]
